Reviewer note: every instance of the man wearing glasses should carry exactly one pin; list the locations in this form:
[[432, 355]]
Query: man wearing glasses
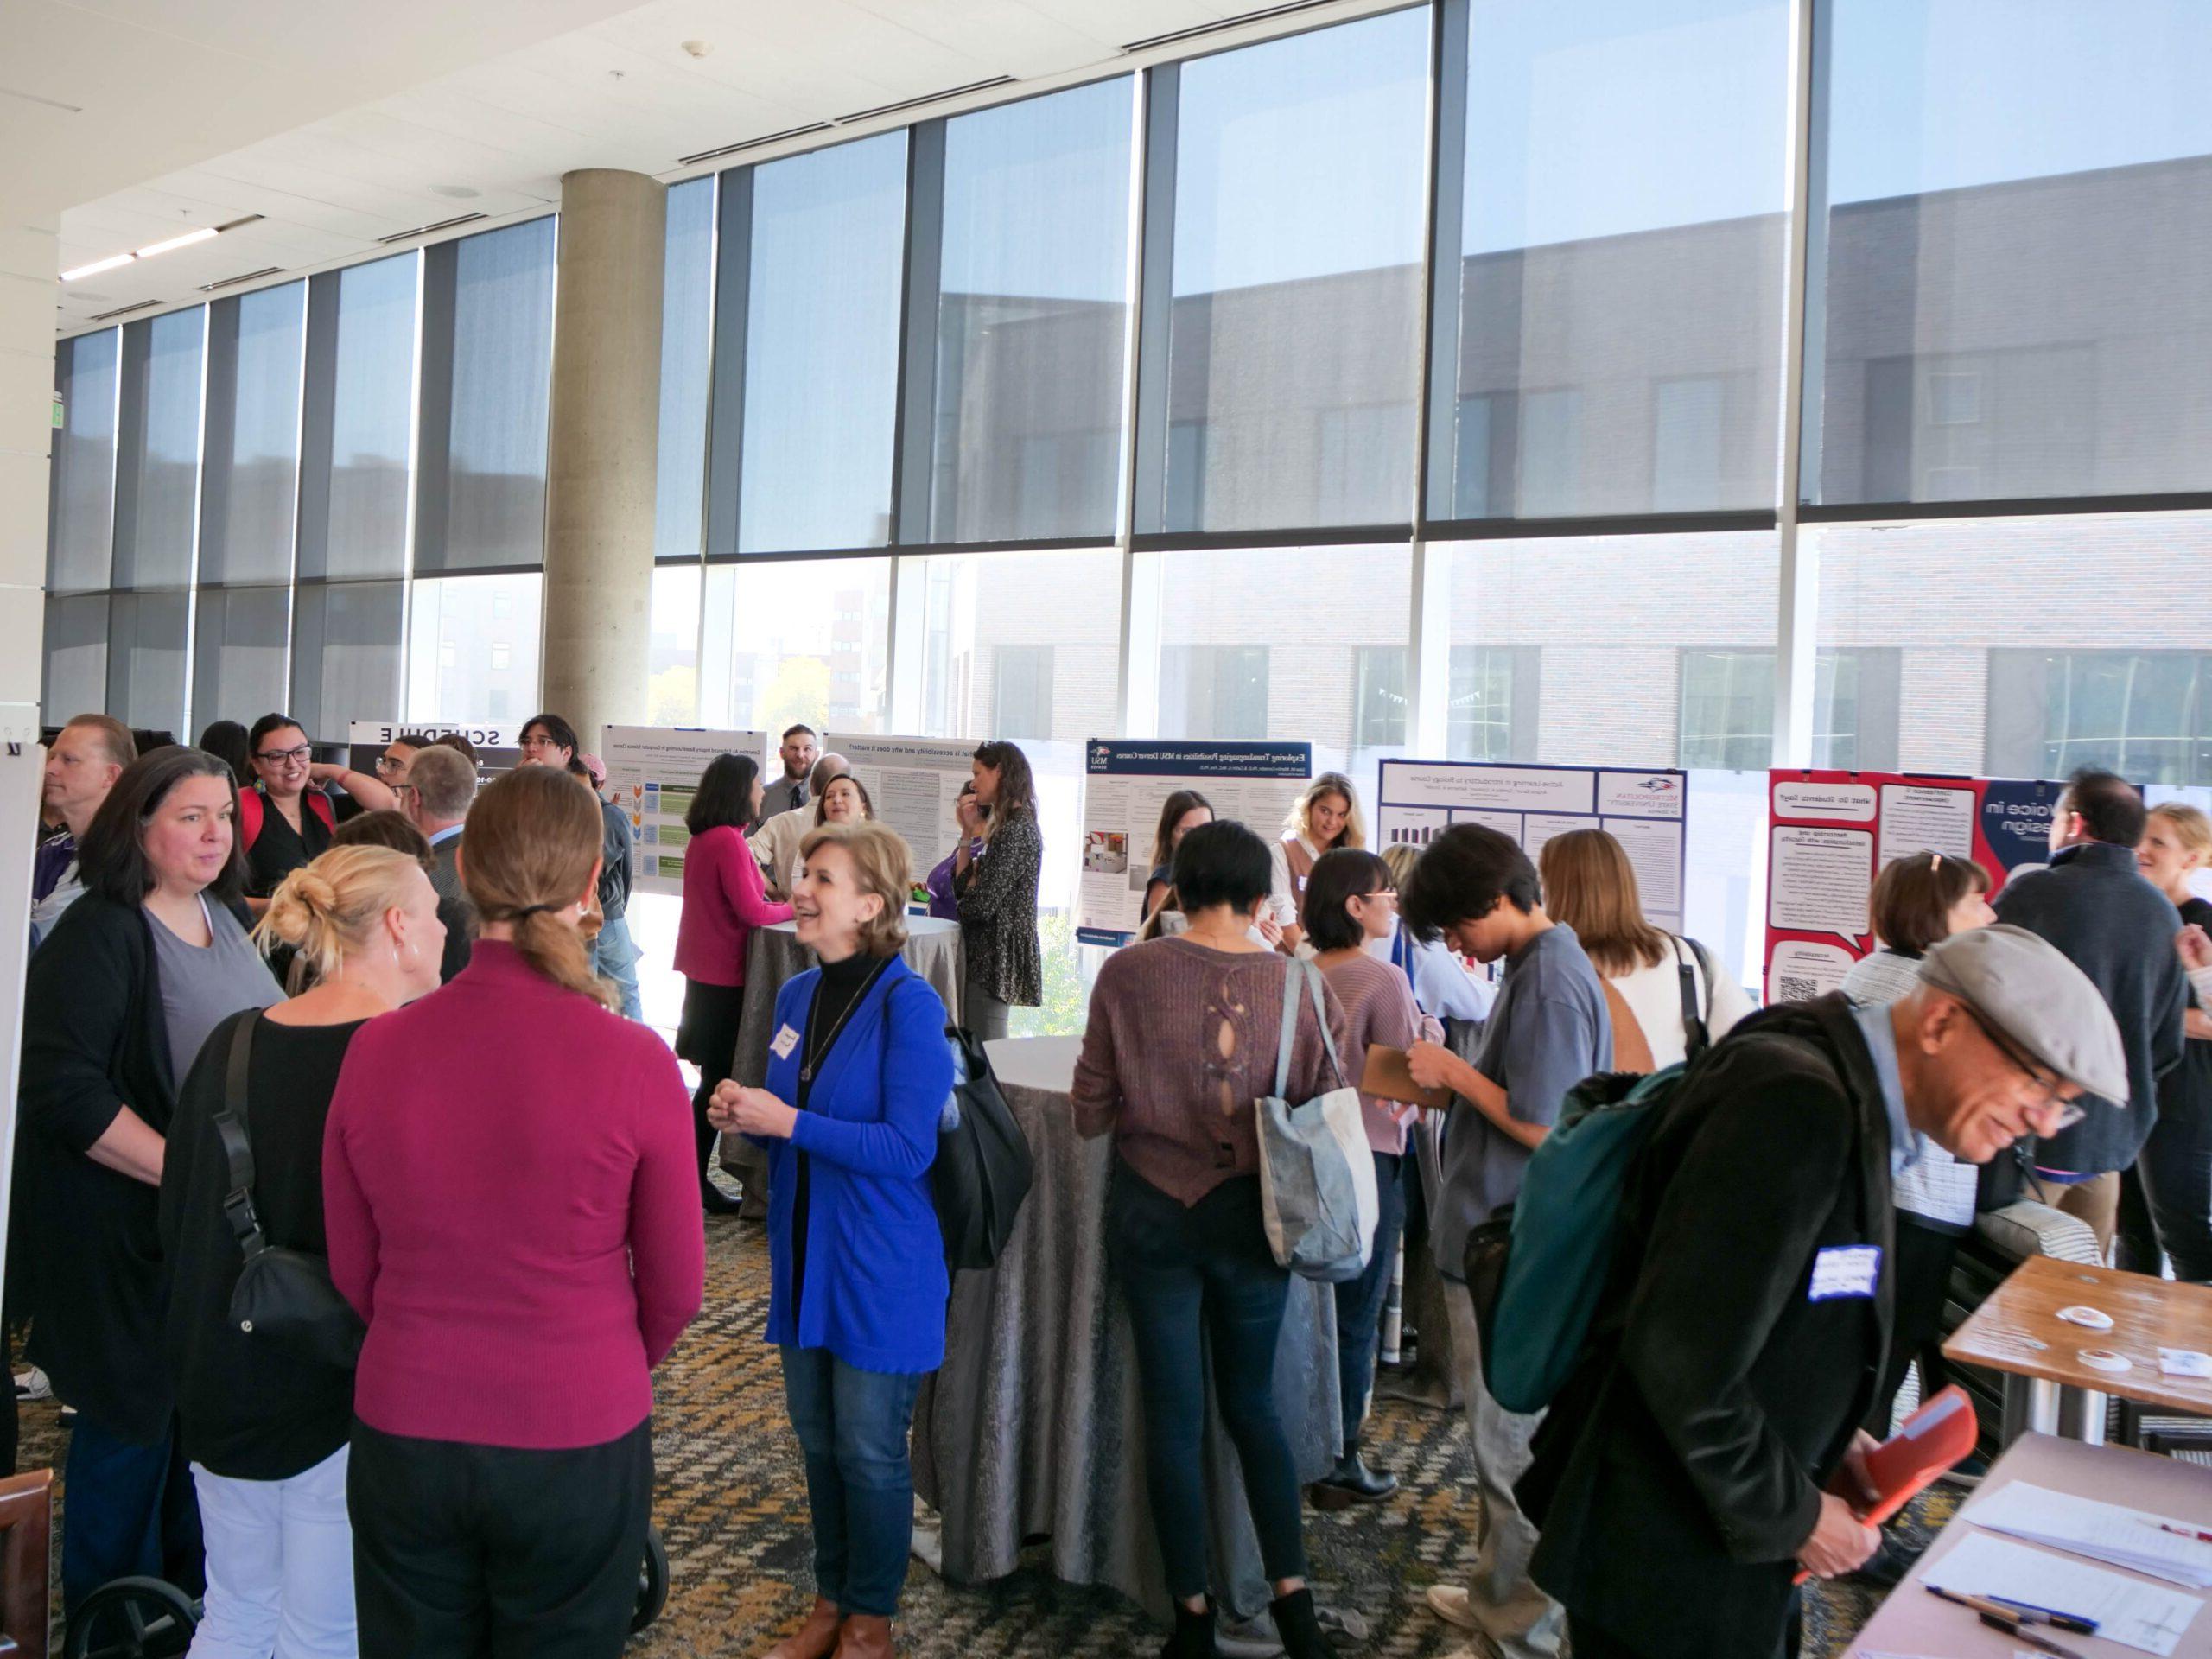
[[1708, 1447]]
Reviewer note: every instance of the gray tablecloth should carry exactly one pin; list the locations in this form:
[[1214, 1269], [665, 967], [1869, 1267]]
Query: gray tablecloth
[[1035, 1426]]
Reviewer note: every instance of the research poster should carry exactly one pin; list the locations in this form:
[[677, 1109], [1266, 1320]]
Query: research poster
[[1644, 810], [1125, 786], [651, 773], [913, 783], [499, 747], [1830, 833]]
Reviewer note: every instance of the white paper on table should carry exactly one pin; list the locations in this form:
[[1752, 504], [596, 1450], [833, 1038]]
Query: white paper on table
[[2184, 1362], [2146, 1617], [2104, 1532]]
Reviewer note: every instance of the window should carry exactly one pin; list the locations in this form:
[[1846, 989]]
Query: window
[[816, 246], [76, 657], [249, 486], [359, 415], [487, 372], [238, 653], [2141, 714], [771, 650], [345, 654], [1491, 715], [157, 455], [1213, 691], [1728, 710], [686, 298], [1022, 691], [479, 656], [80, 538], [1031, 320], [1620, 208], [672, 655], [145, 660], [1379, 715], [1285, 259], [2004, 210], [1022, 645]]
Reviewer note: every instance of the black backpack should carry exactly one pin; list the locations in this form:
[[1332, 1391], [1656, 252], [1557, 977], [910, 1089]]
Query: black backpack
[[983, 1169]]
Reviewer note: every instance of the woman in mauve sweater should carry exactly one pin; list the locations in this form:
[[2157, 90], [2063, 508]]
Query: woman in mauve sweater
[[1350, 904], [523, 1239], [1182, 1041], [725, 898]]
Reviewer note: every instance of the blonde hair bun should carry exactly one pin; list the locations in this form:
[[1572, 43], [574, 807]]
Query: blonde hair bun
[[327, 910]]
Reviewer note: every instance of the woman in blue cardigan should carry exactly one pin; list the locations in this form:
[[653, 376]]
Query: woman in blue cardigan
[[858, 1278]]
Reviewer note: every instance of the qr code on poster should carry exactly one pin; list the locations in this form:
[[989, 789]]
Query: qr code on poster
[[1796, 989]]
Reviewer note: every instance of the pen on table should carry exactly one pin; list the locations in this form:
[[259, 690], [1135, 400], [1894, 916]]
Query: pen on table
[[2075, 1622], [2197, 1533], [1997, 1616]]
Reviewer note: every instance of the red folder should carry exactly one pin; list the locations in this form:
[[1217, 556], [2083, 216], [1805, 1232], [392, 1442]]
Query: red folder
[[1935, 1440]]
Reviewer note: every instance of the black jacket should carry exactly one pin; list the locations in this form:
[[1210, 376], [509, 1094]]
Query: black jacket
[[88, 1270], [2095, 905], [1680, 1470], [453, 908]]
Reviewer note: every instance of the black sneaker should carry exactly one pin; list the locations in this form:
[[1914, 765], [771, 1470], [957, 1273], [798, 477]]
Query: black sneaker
[[1352, 1482]]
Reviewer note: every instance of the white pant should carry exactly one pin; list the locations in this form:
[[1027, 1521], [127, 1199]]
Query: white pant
[[280, 1565]]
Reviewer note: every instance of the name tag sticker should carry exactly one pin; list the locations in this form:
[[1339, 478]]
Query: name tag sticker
[[1846, 1270], [786, 1040]]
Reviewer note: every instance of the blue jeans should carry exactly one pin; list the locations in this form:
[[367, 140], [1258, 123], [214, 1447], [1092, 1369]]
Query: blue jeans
[[131, 1512], [614, 957], [1359, 1301], [852, 1428]]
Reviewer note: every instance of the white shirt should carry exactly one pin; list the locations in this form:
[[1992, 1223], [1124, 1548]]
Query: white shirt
[[1654, 996], [1285, 894], [775, 844]]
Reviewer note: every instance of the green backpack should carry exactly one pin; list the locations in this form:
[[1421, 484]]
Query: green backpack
[[1535, 1272]]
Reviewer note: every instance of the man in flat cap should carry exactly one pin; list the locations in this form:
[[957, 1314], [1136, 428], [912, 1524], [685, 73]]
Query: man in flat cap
[[1741, 1335]]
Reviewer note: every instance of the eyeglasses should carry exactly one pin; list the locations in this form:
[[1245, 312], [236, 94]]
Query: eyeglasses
[[2056, 1116], [539, 740], [390, 763], [285, 757]]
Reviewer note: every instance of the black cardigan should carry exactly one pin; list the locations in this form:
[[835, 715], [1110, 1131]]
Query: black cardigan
[[88, 1266], [1679, 1472]]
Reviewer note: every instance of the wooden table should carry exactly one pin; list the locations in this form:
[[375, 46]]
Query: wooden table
[[2017, 1331], [1913, 1622]]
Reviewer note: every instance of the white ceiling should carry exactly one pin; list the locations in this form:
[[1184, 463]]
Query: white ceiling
[[619, 91]]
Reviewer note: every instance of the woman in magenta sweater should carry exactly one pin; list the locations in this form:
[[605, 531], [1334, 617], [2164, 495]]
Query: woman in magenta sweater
[[724, 900], [522, 1241]]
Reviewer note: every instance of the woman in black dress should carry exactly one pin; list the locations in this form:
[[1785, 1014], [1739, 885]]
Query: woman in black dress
[[2176, 1165]]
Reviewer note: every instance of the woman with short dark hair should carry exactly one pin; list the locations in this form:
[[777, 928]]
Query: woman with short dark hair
[[996, 889], [725, 898], [1182, 1038], [118, 1001]]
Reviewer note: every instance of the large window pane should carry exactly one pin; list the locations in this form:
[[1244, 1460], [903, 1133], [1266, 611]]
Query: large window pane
[[487, 354], [2002, 669], [472, 644], [80, 539], [345, 654], [1292, 335], [1646, 650], [361, 414], [2018, 199], [238, 654], [252, 480], [797, 640], [145, 660], [157, 450], [672, 667], [686, 327], [76, 657], [1032, 319], [821, 342], [1618, 293]]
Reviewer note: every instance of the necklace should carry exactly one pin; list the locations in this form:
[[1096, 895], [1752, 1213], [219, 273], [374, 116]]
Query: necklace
[[817, 1051]]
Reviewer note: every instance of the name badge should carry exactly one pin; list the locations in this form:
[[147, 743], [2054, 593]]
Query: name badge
[[786, 1040], [1846, 1270]]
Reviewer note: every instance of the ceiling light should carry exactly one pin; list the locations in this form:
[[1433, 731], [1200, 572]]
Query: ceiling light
[[97, 266], [205, 232], [698, 49]]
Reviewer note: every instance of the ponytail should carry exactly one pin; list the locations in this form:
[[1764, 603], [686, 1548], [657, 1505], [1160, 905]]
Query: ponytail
[[532, 837]]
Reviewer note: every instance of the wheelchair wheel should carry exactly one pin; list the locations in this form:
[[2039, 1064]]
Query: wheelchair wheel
[[652, 1582], [133, 1618]]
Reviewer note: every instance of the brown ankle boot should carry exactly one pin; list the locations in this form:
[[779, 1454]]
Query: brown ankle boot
[[816, 1638], [865, 1637]]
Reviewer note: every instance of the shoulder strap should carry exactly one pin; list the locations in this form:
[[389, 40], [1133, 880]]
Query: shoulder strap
[[1289, 1027], [251, 807], [238, 1149], [1321, 1018], [1695, 1036], [320, 804]]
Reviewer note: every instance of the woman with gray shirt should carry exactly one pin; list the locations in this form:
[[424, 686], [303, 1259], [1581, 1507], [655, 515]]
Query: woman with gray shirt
[[118, 1001]]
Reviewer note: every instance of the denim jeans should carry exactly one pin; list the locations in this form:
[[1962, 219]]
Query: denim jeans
[[1359, 1301], [853, 1426], [1198, 1278], [131, 1513], [614, 957]]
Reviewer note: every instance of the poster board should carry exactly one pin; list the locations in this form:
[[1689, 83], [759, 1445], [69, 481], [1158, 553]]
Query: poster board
[[652, 772], [1644, 810], [499, 747], [1126, 783], [912, 784], [1829, 834]]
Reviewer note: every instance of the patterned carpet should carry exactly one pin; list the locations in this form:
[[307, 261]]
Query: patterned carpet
[[731, 1506]]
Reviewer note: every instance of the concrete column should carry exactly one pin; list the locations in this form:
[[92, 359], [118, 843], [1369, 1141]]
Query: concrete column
[[603, 448]]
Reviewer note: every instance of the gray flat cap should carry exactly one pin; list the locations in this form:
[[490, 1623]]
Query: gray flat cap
[[2037, 1000]]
